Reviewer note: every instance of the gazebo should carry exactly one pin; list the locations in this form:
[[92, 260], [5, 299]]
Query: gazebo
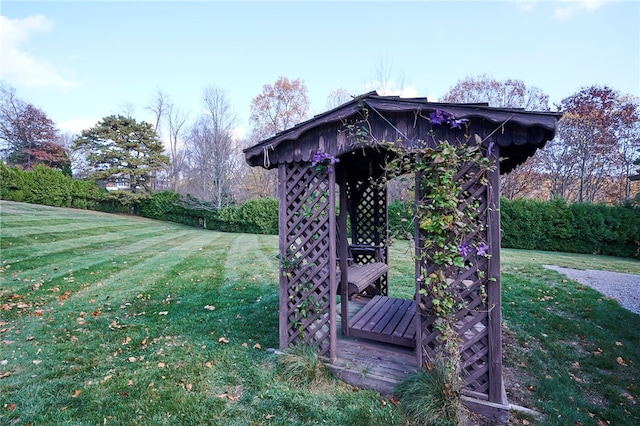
[[334, 240]]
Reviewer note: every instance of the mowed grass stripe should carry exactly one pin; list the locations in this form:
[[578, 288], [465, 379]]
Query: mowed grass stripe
[[28, 236], [18, 221], [78, 243], [89, 266], [156, 268]]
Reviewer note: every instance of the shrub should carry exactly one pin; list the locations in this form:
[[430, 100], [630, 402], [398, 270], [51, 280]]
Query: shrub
[[161, 205], [258, 216], [577, 228]]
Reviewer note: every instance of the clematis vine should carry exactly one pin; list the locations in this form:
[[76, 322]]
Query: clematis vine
[[465, 249], [481, 250], [440, 117], [323, 161]]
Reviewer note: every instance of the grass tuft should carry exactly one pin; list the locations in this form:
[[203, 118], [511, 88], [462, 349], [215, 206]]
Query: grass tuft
[[432, 396], [301, 366]]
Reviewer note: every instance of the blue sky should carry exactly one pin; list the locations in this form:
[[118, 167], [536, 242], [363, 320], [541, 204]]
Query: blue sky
[[80, 61]]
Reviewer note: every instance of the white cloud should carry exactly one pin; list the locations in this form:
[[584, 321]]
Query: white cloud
[[77, 126], [570, 8], [18, 66], [390, 88]]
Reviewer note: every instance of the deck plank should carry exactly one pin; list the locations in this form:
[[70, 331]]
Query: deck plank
[[386, 319]]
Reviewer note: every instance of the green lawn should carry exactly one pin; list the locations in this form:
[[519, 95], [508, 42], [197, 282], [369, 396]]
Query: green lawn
[[110, 319]]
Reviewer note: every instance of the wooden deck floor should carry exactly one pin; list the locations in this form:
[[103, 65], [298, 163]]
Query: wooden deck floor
[[369, 364], [386, 319]]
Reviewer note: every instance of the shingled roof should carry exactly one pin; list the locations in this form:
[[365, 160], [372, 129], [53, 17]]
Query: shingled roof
[[517, 133]]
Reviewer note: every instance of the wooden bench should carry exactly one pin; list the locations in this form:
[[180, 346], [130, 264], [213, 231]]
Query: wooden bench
[[362, 276]]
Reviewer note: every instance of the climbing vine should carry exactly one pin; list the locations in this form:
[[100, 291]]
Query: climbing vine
[[451, 234]]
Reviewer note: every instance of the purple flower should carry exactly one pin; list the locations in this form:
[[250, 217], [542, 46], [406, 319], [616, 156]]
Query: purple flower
[[464, 249], [482, 249], [490, 149], [439, 117], [322, 159]]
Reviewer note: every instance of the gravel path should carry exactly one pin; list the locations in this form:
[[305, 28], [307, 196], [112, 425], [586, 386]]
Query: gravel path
[[625, 288]]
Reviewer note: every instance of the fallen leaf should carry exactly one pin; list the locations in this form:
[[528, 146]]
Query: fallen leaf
[[597, 351], [210, 307], [76, 393], [618, 344], [163, 313], [30, 338], [621, 361], [245, 345], [208, 364], [11, 407], [161, 365], [223, 340], [5, 374], [269, 416], [257, 346], [132, 359], [189, 386], [37, 361]]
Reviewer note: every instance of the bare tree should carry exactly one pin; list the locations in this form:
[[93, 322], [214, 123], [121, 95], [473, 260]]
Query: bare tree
[[158, 107], [176, 119], [510, 93], [338, 97], [211, 149], [388, 81]]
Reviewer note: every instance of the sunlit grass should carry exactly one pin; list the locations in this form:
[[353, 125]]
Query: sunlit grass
[[122, 320]]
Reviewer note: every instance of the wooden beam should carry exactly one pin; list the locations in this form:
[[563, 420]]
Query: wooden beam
[[282, 243], [333, 285], [494, 297]]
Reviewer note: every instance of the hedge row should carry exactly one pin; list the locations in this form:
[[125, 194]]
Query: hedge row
[[552, 226], [47, 186], [256, 216], [526, 224], [574, 228]]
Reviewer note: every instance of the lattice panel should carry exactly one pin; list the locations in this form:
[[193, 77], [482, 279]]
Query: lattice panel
[[368, 223], [305, 261], [470, 282]]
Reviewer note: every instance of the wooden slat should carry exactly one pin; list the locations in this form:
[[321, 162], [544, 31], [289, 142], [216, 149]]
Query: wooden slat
[[386, 319]]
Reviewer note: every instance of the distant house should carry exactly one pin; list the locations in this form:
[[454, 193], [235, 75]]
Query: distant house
[[117, 184]]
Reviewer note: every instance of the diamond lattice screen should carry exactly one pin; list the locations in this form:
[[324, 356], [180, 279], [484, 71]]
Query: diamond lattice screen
[[306, 256], [470, 281]]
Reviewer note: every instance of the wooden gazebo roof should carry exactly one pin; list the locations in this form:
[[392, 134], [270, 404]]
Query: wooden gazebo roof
[[521, 132]]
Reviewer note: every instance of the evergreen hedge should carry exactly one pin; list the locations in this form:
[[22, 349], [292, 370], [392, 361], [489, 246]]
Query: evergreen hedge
[[526, 224], [47, 186], [575, 228], [257, 216]]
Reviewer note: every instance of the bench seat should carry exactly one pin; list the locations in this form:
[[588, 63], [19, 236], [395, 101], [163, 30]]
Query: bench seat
[[362, 276]]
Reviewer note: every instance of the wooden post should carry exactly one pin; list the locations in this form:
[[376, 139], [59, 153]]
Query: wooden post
[[344, 250], [333, 286], [418, 269], [494, 297], [282, 242]]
